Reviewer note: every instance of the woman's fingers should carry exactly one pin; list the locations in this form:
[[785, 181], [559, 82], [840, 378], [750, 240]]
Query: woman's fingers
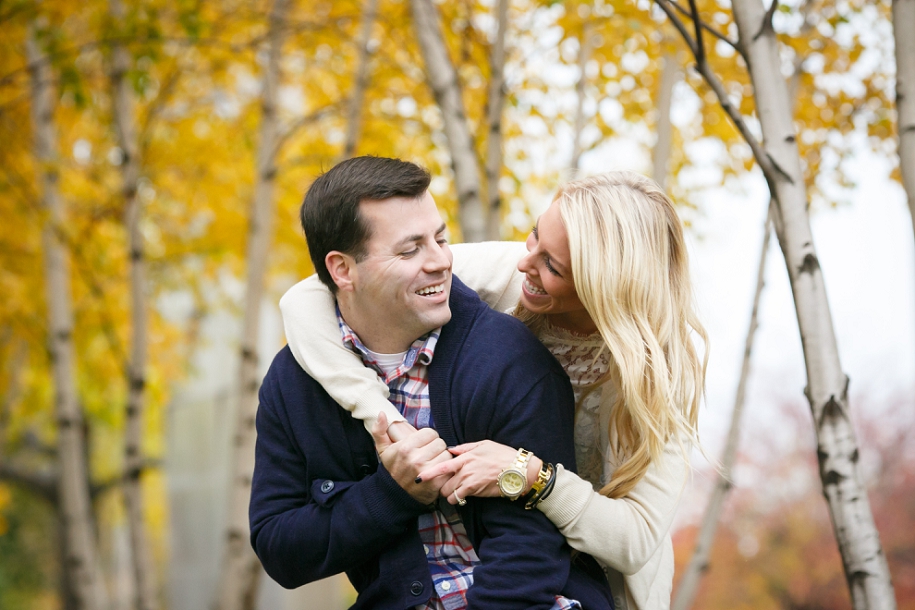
[[449, 468], [462, 449]]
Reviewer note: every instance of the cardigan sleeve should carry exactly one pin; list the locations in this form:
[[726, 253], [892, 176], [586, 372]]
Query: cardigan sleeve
[[311, 327], [623, 533], [310, 320]]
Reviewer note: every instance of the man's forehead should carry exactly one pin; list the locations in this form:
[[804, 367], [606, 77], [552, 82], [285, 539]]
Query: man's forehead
[[402, 218]]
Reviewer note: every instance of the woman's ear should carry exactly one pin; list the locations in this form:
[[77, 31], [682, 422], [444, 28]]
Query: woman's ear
[[342, 269]]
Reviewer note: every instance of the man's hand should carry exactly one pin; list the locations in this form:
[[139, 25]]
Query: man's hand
[[406, 458]]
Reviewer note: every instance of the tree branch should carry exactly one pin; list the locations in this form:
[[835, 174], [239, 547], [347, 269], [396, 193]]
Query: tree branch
[[42, 485], [709, 29], [767, 20], [766, 163], [697, 25]]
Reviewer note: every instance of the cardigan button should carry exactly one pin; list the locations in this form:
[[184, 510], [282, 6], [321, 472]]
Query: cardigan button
[[327, 486], [366, 470], [416, 588]]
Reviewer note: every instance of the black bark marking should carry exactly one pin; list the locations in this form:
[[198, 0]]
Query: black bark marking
[[832, 410], [810, 264], [832, 478]]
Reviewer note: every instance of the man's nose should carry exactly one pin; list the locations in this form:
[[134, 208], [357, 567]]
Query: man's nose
[[439, 258]]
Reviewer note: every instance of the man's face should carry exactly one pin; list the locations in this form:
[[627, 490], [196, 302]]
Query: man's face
[[401, 288]]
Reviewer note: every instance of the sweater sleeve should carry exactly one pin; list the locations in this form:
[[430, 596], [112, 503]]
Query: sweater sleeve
[[491, 270], [623, 533], [310, 321]]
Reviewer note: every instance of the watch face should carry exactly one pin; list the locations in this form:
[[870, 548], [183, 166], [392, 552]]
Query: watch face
[[512, 483]]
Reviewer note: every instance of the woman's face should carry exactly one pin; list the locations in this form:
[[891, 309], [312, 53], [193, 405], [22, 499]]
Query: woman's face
[[548, 287]]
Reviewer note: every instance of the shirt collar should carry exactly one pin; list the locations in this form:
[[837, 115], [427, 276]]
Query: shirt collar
[[420, 351]]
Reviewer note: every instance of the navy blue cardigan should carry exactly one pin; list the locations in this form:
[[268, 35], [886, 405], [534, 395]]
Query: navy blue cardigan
[[321, 503]]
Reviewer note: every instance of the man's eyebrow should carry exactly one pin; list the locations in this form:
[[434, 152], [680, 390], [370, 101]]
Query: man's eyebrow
[[420, 236]]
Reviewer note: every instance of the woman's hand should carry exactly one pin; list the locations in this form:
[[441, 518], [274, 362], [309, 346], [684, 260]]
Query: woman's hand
[[475, 470]]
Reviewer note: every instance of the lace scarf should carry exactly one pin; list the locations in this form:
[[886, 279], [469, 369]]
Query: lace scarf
[[577, 354]]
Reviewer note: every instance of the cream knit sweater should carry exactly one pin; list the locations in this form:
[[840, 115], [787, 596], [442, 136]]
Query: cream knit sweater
[[630, 536]]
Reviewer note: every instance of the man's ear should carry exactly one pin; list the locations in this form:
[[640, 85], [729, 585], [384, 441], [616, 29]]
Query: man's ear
[[342, 269]]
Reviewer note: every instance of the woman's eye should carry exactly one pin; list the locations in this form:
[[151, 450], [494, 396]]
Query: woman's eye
[[534, 232], [550, 267], [409, 253]]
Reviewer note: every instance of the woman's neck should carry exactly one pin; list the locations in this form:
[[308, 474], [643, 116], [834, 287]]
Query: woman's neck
[[577, 322]]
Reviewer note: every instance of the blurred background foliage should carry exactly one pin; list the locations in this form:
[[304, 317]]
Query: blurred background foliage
[[195, 71]]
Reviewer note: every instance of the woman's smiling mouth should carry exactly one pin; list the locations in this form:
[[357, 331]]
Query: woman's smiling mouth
[[532, 289]]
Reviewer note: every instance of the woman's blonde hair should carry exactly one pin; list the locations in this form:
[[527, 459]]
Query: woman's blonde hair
[[631, 271]]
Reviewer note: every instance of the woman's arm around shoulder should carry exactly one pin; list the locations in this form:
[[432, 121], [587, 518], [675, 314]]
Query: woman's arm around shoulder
[[313, 334], [623, 533], [491, 269]]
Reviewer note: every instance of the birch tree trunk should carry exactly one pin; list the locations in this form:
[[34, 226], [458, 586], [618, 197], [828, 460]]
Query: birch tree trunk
[[240, 568], [698, 563], [143, 569], [827, 386], [660, 154], [494, 123], [354, 113], [904, 21], [80, 567], [585, 49], [446, 88]]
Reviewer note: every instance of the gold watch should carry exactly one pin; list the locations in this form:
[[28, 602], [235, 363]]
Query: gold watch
[[513, 479]]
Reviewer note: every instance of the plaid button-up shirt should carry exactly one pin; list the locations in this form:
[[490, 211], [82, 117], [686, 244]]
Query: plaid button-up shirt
[[450, 554]]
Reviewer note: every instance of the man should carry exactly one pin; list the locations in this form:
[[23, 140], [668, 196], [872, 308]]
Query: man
[[321, 502]]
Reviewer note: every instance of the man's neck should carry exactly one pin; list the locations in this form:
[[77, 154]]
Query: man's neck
[[374, 337]]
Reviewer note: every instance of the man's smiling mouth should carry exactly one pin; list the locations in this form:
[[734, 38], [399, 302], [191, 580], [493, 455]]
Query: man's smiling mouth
[[430, 290]]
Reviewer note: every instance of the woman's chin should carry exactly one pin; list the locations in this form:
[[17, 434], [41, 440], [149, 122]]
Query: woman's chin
[[533, 304]]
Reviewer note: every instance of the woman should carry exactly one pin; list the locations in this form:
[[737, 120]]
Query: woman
[[605, 286]]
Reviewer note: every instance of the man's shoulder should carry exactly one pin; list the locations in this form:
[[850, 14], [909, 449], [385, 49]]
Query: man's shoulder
[[286, 377], [493, 336]]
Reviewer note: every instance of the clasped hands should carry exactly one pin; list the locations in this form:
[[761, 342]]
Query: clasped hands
[[421, 463]]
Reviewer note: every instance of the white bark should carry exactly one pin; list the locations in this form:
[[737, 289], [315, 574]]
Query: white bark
[[827, 386], [238, 576], [660, 154], [143, 568], [904, 21], [80, 567], [446, 88], [585, 48], [698, 563], [354, 113], [494, 122]]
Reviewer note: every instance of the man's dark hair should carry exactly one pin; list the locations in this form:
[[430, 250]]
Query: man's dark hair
[[330, 212]]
